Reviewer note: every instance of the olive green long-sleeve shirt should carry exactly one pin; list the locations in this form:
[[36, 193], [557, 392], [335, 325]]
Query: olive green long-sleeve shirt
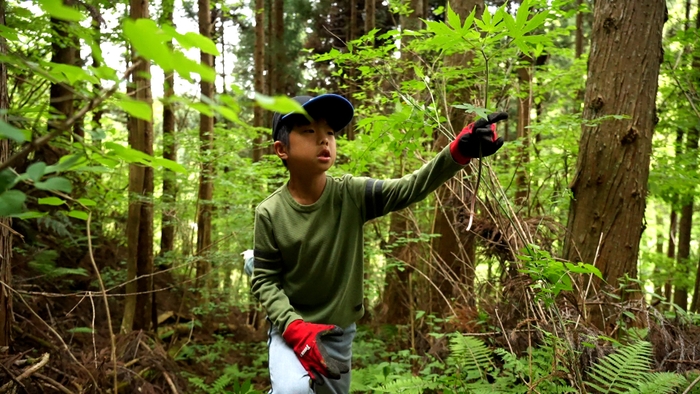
[[308, 259]]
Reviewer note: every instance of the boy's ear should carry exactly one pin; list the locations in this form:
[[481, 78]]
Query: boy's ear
[[281, 150]]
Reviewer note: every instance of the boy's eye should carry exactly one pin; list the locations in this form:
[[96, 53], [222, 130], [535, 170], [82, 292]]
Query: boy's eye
[[309, 131], [331, 132]]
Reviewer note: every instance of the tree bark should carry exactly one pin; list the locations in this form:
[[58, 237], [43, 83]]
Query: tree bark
[[6, 317], [259, 82], [206, 136], [167, 238], [695, 304], [370, 18], [138, 307], [610, 184], [278, 48]]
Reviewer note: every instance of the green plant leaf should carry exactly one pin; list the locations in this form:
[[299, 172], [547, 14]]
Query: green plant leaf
[[87, 202], [11, 132], [36, 171], [137, 109], [204, 44], [453, 19], [65, 163], [78, 215], [7, 179], [281, 104], [149, 41], [169, 164], [11, 202], [56, 183], [55, 201], [58, 10], [29, 215]]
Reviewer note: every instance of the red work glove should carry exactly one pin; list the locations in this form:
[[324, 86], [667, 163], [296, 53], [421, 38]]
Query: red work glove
[[478, 139], [305, 339]]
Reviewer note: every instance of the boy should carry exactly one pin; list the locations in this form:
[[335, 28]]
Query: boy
[[308, 256]]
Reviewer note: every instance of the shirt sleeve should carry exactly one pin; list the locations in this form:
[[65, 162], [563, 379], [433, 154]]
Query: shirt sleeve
[[266, 283], [384, 196]]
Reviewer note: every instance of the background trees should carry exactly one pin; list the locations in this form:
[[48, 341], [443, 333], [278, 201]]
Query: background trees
[[154, 134]]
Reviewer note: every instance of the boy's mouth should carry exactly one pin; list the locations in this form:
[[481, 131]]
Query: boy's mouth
[[324, 155]]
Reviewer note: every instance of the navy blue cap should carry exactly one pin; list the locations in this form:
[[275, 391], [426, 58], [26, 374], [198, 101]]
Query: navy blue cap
[[336, 109]]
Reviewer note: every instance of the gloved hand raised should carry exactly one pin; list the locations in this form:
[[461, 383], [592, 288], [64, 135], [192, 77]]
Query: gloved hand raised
[[305, 339], [478, 139]]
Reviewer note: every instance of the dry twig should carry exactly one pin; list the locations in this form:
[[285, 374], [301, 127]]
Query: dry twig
[[27, 373]]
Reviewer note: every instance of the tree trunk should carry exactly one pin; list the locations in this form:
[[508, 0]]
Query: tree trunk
[[206, 136], [456, 255], [259, 83], [370, 18], [6, 317], [397, 302], [278, 48], [610, 184], [138, 307], [695, 304], [167, 238]]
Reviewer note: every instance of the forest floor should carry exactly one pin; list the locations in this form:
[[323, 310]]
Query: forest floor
[[62, 342]]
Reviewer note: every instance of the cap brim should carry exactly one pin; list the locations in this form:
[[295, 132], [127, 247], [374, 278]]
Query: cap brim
[[335, 109]]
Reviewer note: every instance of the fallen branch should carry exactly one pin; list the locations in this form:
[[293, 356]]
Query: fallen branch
[[53, 383], [27, 373]]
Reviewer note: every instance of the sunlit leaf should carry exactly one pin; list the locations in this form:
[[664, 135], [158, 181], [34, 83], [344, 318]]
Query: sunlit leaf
[[29, 215], [137, 109], [281, 104], [87, 202], [149, 41], [58, 10], [56, 183], [203, 43], [169, 164], [78, 215], [51, 201]]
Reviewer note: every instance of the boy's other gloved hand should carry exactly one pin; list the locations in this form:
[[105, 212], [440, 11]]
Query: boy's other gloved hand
[[305, 339], [478, 139]]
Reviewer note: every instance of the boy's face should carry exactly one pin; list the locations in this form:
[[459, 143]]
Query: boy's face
[[311, 149]]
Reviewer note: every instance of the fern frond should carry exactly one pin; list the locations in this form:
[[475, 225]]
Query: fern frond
[[622, 371], [661, 383], [471, 355], [405, 385]]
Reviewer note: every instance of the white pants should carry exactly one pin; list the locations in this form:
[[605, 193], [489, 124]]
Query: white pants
[[288, 376]]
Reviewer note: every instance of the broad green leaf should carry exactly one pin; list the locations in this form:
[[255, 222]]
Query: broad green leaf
[[87, 202], [51, 201], [202, 108], [204, 44], [9, 131], [128, 154], [169, 164], [186, 66], [104, 72], [11, 202], [149, 41], [56, 183], [72, 74], [36, 171], [281, 104], [78, 215], [8, 33], [137, 109], [65, 163], [29, 215], [58, 10], [7, 179]]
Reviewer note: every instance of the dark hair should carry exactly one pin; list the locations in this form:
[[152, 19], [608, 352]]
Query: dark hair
[[286, 128]]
